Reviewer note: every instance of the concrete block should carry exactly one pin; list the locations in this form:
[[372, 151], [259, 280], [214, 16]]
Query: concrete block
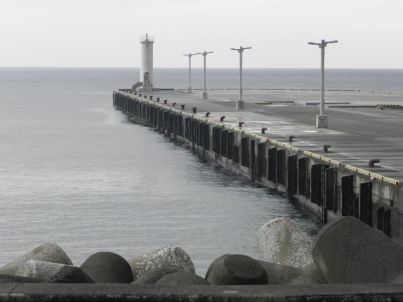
[[236, 270], [154, 275], [48, 272], [310, 274], [166, 258], [47, 252], [107, 267], [349, 251], [281, 241], [17, 279], [240, 105], [322, 121], [280, 274], [181, 278]]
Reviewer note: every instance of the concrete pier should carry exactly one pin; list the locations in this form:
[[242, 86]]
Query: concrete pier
[[332, 172], [128, 292]]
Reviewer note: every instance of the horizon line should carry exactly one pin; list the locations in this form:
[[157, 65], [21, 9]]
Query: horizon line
[[232, 68]]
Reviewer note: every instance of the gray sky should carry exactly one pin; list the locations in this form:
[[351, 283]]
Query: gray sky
[[105, 33]]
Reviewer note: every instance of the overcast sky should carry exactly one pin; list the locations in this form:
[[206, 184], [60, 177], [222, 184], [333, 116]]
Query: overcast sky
[[105, 33]]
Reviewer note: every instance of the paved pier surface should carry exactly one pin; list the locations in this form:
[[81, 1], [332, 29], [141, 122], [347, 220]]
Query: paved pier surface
[[128, 292], [357, 133]]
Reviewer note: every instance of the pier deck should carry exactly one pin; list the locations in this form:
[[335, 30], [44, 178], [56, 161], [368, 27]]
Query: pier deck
[[355, 134]]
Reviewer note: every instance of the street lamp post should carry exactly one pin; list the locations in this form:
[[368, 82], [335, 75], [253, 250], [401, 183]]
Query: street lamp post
[[322, 119], [204, 54], [189, 55], [240, 102]]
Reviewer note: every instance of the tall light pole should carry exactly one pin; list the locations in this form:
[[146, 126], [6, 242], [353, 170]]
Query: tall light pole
[[204, 54], [321, 119], [240, 102], [189, 55]]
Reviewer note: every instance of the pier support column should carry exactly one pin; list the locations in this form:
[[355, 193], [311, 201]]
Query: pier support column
[[272, 165], [292, 176]]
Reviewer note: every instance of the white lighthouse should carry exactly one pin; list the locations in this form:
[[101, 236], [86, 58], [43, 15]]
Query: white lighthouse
[[146, 70]]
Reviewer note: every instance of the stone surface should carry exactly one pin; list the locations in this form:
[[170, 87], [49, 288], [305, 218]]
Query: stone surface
[[166, 258], [398, 279], [280, 274], [107, 267], [48, 252], [181, 278], [49, 272], [17, 279], [349, 251], [310, 274], [281, 241], [236, 270], [152, 276]]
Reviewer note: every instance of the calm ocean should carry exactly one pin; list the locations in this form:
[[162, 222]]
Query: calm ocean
[[74, 171]]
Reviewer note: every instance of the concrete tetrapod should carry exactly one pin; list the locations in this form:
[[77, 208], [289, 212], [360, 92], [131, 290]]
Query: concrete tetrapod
[[280, 274], [17, 279], [181, 278], [152, 276], [349, 251], [236, 270], [310, 274], [163, 261], [282, 242], [48, 252], [283, 274], [107, 267], [48, 272]]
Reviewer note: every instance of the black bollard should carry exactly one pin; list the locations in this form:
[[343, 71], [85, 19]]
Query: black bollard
[[374, 161]]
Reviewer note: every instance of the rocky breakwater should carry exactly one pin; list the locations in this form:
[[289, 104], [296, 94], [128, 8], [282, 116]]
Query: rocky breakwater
[[344, 251]]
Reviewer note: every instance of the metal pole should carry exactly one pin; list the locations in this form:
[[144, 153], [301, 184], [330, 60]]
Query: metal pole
[[322, 119], [204, 53], [190, 74], [205, 86], [189, 55], [240, 75], [322, 91], [239, 103]]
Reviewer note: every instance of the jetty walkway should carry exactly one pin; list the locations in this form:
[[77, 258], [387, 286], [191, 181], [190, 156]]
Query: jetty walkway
[[355, 167]]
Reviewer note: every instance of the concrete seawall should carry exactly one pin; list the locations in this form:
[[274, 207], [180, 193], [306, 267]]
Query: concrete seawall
[[325, 186], [127, 292]]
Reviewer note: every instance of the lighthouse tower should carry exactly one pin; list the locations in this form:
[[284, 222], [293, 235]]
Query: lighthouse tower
[[146, 70]]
